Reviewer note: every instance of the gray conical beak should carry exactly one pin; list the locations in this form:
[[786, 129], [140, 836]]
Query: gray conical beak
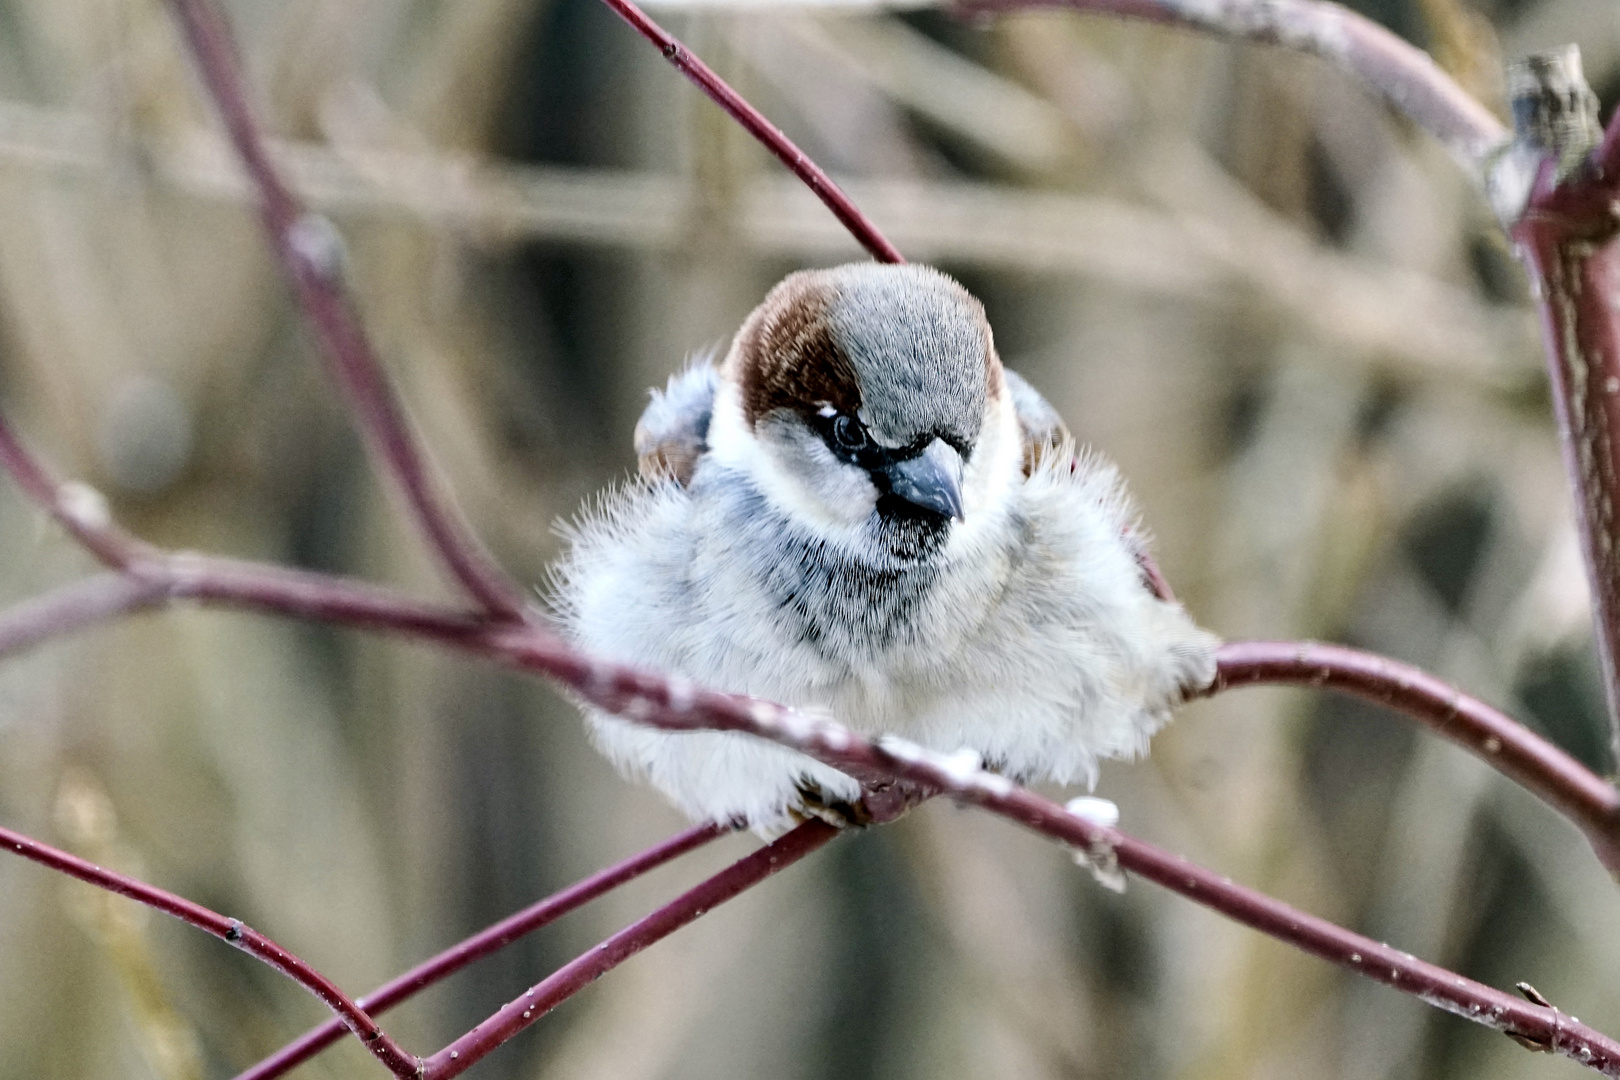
[[931, 480]]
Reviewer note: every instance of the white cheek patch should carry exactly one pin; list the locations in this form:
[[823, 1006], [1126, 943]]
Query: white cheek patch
[[811, 485], [996, 466], [730, 441]]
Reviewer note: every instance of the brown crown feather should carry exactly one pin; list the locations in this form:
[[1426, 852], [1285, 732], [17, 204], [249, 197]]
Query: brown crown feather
[[785, 356]]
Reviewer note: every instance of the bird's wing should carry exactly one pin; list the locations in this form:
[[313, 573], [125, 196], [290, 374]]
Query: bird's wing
[[1045, 433], [1043, 429], [674, 430]]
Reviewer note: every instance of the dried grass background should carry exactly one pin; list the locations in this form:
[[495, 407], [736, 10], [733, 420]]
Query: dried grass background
[[1286, 315]]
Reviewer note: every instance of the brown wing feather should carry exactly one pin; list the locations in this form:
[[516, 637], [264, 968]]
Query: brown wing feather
[[674, 429]]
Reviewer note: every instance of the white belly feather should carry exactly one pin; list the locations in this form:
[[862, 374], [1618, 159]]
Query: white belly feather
[[1036, 645]]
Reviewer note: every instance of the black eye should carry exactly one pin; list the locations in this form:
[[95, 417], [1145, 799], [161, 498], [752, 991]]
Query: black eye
[[849, 433]]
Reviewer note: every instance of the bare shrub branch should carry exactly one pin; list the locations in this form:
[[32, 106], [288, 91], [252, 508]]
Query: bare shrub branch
[[232, 931], [483, 943], [1512, 749], [1406, 76], [656, 703], [769, 135], [311, 254], [74, 607], [1566, 238], [591, 965]]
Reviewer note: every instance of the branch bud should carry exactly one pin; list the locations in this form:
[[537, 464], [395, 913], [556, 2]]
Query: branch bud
[[1555, 114]]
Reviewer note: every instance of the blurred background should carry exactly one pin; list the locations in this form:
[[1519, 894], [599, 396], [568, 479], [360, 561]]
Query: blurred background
[[1283, 311]]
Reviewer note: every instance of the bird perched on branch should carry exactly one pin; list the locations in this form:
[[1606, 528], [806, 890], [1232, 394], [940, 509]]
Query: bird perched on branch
[[860, 511]]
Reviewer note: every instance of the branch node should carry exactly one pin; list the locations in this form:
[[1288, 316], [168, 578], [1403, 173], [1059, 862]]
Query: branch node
[[317, 245], [84, 505], [1554, 108], [1555, 115], [1102, 860], [1532, 995]]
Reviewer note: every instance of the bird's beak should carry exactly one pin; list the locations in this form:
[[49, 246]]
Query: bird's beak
[[931, 480]]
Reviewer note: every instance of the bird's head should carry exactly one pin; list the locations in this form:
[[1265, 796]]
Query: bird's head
[[867, 401]]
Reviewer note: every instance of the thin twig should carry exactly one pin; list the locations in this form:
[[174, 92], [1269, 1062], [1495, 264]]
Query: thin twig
[[73, 607], [573, 977], [484, 943], [311, 253], [1576, 282], [233, 931], [77, 508], [1512, 749], [1406, 76], [769, 135]]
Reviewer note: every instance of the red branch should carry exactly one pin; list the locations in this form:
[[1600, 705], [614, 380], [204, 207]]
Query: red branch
[[1606, 161], [1521, 755], [1406, 76], [1507, 746], [1566, 238], [574, 976], [768, 134], [233, 931], [78, 509], [484, 943], [311, 253], [74, 607], [1577, 280]]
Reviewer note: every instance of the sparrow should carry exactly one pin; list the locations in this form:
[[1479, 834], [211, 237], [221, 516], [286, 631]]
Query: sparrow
[[860, 512]]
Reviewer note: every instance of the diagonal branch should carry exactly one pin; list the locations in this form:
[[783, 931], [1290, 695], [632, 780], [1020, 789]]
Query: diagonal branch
[[233, 931], [1406, 76], [1512, 749], [1507, 746], [484, 943], [656, 703], [311, 254], [754, 121], [162, 577], [575, 976]]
